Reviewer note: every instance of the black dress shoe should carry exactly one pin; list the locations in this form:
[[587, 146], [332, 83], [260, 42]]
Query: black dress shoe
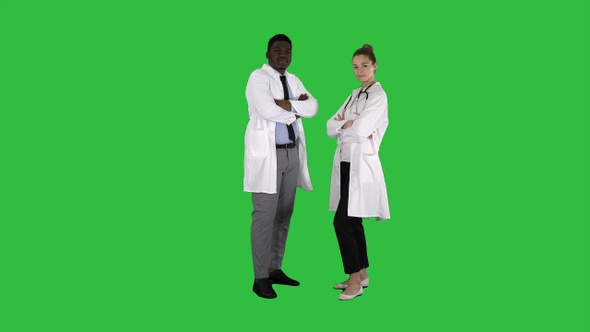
[[263, 288], [279, 277]]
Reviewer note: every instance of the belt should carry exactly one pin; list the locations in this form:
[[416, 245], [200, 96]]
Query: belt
[[286, 146]]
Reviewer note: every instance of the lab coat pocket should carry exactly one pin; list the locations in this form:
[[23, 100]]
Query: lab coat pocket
[[370, 183], [370, 197], [370, 167], [257, 143]]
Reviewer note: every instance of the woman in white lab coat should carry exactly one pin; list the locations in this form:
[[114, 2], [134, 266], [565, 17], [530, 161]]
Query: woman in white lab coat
[[358, 188]]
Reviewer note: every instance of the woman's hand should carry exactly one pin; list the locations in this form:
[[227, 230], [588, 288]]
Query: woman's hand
[[347, 124], [340, 117]]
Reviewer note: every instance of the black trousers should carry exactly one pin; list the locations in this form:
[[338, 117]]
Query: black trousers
[[349, 230]]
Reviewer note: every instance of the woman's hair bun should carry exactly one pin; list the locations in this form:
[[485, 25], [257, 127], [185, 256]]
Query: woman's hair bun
[[368, 46]]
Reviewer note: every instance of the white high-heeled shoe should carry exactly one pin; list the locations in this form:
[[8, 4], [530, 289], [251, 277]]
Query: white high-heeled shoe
[[344, 297], [364, 283]]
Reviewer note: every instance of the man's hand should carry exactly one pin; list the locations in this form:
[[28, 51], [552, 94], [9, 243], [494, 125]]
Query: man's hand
[[339, 117], [301, 97], [284, 104]]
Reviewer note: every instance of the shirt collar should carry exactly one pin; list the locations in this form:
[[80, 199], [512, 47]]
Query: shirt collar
[[271, 70]]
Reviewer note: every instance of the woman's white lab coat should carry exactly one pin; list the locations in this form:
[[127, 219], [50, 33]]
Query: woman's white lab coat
[[260, 155], [367, 192]]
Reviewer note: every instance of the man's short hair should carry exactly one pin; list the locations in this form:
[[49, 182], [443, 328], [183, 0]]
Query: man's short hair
[[279, 37]]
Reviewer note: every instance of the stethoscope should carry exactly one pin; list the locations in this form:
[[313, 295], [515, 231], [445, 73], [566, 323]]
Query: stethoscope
[[357, 97]]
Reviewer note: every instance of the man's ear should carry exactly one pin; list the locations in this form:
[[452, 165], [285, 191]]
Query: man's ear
[[266, 54]]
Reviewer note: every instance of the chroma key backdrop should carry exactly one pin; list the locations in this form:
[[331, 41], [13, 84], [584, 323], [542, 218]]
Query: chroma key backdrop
[[121, 165]]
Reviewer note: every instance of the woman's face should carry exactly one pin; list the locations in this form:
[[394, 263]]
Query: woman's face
[[364, 69]]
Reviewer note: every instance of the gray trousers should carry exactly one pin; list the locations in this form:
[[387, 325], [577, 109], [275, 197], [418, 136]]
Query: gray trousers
[[272, 215]]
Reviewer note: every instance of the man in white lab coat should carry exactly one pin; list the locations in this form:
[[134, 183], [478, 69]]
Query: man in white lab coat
[[275, 161]]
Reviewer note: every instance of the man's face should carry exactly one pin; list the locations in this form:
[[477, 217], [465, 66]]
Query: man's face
[[279, 55]]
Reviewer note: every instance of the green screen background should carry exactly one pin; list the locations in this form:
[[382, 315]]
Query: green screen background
[[121, 158]]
